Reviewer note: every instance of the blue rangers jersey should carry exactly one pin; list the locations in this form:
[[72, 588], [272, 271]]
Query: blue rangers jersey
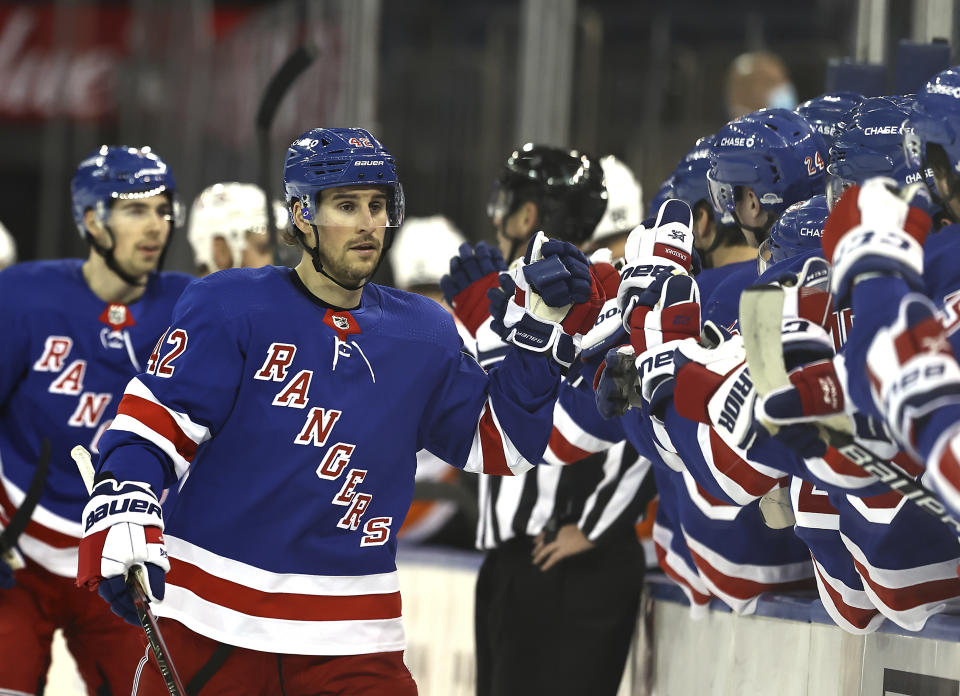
[[65, 358], [293, 429]]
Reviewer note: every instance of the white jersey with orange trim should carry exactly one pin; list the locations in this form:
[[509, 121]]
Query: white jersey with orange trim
[[293, 429]]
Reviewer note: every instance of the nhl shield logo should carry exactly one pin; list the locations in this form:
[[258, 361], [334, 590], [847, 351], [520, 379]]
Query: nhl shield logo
[[117, 314], [340, 322]]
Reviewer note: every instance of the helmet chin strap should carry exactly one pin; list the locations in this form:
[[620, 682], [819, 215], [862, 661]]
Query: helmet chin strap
[[761, 232], [318, 266], [111, 261]]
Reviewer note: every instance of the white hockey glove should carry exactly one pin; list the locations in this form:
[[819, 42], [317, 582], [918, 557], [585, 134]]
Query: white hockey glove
[[667, 247], [123, 527], [873, 230]]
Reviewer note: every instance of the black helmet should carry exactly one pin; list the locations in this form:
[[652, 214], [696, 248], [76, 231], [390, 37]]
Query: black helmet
[[567, 186]]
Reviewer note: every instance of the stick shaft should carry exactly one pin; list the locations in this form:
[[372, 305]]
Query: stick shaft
[[135, 586]]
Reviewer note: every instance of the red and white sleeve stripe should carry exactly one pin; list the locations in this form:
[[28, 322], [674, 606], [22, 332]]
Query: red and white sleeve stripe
[[492, 451], [741, 478], [569, 442], [141, 413]]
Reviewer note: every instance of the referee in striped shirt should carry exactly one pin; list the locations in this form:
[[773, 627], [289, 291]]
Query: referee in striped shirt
[[558, 592]]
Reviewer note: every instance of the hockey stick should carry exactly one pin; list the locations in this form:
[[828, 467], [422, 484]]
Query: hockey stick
[[135, 584], [761, 317], [273, 94], [21, 518]]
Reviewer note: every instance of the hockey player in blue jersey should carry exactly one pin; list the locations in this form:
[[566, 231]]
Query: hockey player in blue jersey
[[762, 163], [74, 333], [288, 405]]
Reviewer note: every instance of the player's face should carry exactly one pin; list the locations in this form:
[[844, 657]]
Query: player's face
[[352, 224], [518, 225], [140, 229]]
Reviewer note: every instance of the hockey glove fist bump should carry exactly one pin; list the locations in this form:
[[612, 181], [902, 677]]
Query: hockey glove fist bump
[[548, 301], [873, 230], [472, 274], [123, 527]]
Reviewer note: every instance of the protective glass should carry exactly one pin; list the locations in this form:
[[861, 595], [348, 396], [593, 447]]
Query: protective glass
[[763, 256], [499, 203], [721, 196]]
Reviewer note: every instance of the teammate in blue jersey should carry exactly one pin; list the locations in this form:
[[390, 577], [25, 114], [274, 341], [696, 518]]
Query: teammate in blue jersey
[[75, 332], [717, 239], [288, 405], [762, 163]]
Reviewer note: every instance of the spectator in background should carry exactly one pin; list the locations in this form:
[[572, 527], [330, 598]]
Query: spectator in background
[[8, 248], [229, 227], [419, 257], [758, 80]]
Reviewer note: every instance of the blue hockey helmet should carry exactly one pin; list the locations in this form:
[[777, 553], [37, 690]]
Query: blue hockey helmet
[[775, 152], [870, 144], [931, 134], [826, 112], [690, 178], [325, 158], [114, 172], [798, 229], [665, 192]]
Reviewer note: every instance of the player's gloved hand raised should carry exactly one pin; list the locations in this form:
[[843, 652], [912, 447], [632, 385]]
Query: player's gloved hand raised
[[548, 301], [123, 527], [667, 247], [667, 310], [472, 274], [713, 386], [914, 375], [873, 230]]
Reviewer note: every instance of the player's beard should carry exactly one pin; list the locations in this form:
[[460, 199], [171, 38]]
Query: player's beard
[[356, 272]]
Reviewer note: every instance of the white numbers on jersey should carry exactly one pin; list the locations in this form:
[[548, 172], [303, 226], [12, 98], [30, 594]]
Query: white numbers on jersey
[[162, 367]]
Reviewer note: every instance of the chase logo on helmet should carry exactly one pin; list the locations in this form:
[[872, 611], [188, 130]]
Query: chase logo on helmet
[[882, 130], [811, 232], [738, 142]]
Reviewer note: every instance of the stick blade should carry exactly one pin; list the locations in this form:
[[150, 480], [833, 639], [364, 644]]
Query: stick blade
[[761, 319]]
